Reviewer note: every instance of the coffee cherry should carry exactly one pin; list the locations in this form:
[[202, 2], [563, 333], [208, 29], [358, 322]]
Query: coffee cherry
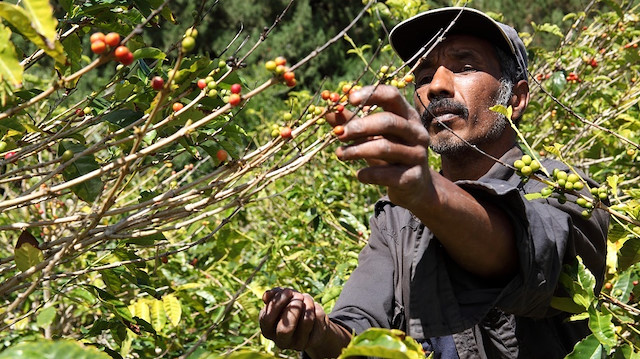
[[8, 155], [222, 64], [287, 116], [270, 65], [573, 178], [234, 99], [325, 94], [188, 43], [280, 61], [98, 47], [177, 106], [547, 191], [112, 39], [127, 59], [222, 155], [280, 69], [97, 36], [518, 164], [67, 155], [3, 145], [535, 165], [236, 88], [526, 170], [212, 93], [527, 159], [581, 202], [338, 130], [346, 89], [157, 83], [291, 83], [202, 84], [289, 76], [285, 132], [79, 112], [578, 186], [191, 32], [334, 97], [339, 107]]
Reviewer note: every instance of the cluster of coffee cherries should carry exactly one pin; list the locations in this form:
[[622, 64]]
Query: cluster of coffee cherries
[[101, 42], [283, 131], [526, 166], [279, 67], [210, 85], [398, 82]]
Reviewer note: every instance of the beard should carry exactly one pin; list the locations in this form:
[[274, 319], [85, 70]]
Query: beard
[[452, 146]]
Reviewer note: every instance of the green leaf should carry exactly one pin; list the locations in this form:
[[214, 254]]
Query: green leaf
[[587, 348], [629, 254], [624, 285], [504, 111], [46, 316], [90, 189], [586, 280], [158, 317], [149, 53], [602, 327], [42, 19], [172, 308], [566, 305], [246, 355], [383, 343], [27, 255], [10, 68], [548, 28], [21, 20], [46, 349], [557, 83]]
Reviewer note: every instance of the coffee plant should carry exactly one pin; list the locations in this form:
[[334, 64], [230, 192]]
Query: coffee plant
[[151, 191]]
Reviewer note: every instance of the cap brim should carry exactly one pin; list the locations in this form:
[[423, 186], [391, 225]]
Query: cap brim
[[411, 35]]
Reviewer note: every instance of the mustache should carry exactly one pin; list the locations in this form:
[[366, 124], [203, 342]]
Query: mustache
[[440, 106]]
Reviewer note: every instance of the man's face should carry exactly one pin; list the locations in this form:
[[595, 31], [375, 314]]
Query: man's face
[[458, 83]]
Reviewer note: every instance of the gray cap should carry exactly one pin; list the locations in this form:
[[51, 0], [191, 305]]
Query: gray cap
[[409, 36]]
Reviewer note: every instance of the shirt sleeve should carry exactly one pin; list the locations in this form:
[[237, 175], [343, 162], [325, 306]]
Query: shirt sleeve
[[367, 297]]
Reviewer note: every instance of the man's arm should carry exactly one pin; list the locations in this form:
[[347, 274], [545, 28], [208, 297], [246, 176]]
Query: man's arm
[[477, 235]]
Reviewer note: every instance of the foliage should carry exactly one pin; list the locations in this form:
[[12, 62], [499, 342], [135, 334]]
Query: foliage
[[121, 229]]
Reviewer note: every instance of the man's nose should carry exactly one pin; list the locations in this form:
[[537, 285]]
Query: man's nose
[[442, 84]]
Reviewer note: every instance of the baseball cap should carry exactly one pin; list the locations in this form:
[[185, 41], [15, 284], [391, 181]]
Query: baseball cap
[[409, 36]]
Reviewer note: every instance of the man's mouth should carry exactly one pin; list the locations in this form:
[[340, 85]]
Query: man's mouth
[[443, 110]]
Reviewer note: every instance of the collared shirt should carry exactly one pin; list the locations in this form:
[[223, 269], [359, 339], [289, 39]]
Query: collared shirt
[[406, 280]]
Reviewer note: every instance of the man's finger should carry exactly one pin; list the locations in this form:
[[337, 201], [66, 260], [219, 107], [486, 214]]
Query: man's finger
[[288, 323], [272, 311], [385, 151], [386, 124], [305, 323], [387, 97]]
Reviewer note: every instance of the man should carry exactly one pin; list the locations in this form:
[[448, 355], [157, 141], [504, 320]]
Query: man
[[458, 259]]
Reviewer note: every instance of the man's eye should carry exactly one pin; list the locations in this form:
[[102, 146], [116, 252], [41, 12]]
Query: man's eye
[[467, 68], [425, 80]]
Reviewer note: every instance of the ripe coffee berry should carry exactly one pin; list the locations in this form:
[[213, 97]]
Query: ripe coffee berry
[[234, 99], [127, 59], [335, 97], [112, 39], [98, 47], [177, 106], [79, 112], [157, 83], [285, 132], [338, 130], [289, 76], [222, 155], [97, 36], [202, 84], [236, 88], [339, 107], [325, 94]]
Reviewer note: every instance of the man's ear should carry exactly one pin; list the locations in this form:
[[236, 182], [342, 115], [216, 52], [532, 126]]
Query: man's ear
[[519, 99]]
